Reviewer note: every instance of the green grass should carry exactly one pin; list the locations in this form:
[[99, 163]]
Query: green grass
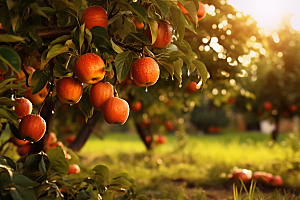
[[205, 162]]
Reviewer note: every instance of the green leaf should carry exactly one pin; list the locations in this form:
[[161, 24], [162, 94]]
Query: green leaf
[[23, 5], [42, 166], [78, 37], [140, 37], [201, 70], [153, 28], [115, 47], [13, 128], [100, 37], [85, 105], [192, 9], [60, 39], [143, 197], [24, 194], [101, 174], [38, 81], [9, 101], [139, 10], [164, 7], [10, 57], [10, 38], [123, 64], [58, 162], [59, 70], [22, 181], [7, 113], [9, 162], [53, 52], [67, 6]]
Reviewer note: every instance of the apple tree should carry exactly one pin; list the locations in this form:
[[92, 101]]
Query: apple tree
[[274, 80]]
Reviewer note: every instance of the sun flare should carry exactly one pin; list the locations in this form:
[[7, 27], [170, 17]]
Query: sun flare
[[269, 13]]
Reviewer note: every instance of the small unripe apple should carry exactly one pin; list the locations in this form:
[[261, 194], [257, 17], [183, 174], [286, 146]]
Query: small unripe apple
[[69, 90], [138, 24], [74, 169], [24, 108], [115, 110], [32, 127], [164, 34], [89, 68], [99, 93], [94, 16], [145, 71]]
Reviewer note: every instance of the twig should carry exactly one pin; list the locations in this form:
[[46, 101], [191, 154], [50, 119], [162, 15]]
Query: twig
[[51, 88], [111, 12], [26, 75], [115, 82]]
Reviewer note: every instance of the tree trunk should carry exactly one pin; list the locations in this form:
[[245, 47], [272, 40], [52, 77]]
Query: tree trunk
[[48, 116], [275, 132], [142, 133], [85, 132]]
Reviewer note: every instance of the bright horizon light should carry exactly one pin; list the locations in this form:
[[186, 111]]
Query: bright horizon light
[[269, 13]]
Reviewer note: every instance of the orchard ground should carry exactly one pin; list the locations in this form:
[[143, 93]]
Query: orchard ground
[[204, 163], [200, 170]]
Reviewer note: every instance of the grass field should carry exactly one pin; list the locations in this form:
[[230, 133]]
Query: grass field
[[202, 166]]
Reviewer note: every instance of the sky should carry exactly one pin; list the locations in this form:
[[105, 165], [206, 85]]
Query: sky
[[268, 13]]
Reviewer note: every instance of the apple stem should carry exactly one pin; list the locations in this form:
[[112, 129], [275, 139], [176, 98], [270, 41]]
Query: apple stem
[[143, 50]]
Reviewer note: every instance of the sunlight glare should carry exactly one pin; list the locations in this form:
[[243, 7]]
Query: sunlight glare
[[269, 13]]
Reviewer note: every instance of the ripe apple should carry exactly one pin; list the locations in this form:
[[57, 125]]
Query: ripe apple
[[201, 11], [241, 175], [1, 77], [24, 108], [74, 169], [99, 93], [267, 105], [277, 181], [138, 24], [32, 127], [192, 87], [164, 34], [161, 139], [37, 98], [24, 150], [257, 175], [136, 106], [115, 110], [18, 142], [293, 108], [89, 68], [266, 177], [169, 125], [94, 16], [69, 90], [145, 71]]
